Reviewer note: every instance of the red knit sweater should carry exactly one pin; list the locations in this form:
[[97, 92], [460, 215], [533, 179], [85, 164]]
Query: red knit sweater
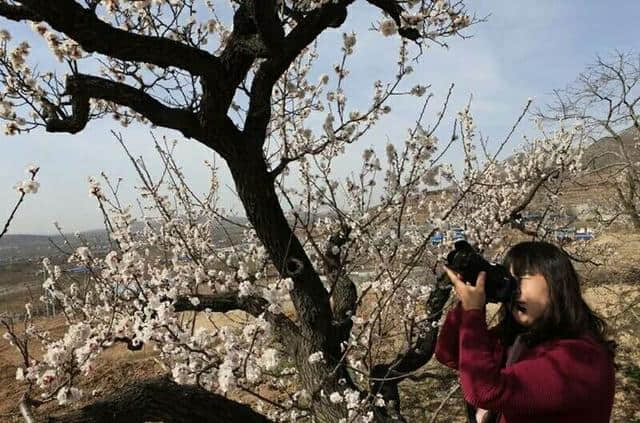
[[561, 380]]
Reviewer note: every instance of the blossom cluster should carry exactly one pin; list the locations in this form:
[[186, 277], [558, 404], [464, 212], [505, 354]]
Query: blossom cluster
[[29, 186]]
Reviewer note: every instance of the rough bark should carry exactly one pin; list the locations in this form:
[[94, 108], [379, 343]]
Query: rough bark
[[257, 193], [17, 13], [310, 298], [344, 294], [160, 399]]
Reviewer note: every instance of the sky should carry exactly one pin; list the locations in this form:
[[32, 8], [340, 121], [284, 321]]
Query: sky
[[523, 50]]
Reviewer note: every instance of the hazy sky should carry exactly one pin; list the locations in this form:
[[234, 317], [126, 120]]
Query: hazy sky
[[525, 49]]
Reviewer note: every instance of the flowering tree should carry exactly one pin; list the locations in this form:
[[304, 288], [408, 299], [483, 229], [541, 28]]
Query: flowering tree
[[339, 297], [605, 99]]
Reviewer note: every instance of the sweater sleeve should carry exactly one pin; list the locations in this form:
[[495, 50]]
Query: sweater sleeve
[[569, 373], [448, 342], [448, 338]]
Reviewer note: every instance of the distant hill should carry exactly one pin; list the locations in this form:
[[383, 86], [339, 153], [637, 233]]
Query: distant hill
[[9, 240], [591, 191], [605, 151], [28, 248], [19, 247]]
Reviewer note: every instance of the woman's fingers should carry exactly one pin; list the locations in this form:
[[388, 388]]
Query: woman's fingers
[[453, 276], [455, 281], [472, 297], [482, 279]]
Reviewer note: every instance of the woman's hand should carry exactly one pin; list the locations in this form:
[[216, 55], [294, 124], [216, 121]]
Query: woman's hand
[[472, 297]]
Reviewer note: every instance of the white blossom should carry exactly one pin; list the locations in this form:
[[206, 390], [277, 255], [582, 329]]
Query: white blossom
[[27, 187], [269, 358], [335, 397], [388, 27], [316, 357]]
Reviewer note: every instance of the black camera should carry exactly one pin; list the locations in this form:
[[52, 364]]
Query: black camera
[[500, 285]]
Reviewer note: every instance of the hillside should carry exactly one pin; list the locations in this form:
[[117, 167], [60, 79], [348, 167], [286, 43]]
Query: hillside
[[594, 189], [28, 248], [607, 151], [19, 247]]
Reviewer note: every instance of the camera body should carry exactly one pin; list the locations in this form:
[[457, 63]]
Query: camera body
[[500, 286]]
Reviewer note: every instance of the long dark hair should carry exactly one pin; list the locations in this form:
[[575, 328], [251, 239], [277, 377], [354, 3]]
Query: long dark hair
[[568, 316]]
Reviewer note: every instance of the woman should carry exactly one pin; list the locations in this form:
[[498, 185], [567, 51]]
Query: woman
[[548, 359]]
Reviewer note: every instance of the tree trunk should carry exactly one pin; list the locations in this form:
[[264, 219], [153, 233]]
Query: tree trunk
[[257, 192]]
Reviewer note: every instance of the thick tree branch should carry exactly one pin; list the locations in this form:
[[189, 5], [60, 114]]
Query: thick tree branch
[[311, 300], [95, 35], [17, 13], [287, 331], [386, 377], [268, 24], [343, 291], [160, 399], [222, 303], [83, 87], [294, 14], [330, 15], [242, 47]]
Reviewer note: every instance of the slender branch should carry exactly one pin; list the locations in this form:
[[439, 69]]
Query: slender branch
[[222, 303], [581, 260], [525, 202], [15, 209], [444, 401]]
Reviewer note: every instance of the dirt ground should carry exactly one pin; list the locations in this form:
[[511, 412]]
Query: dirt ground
[[612, 290]]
